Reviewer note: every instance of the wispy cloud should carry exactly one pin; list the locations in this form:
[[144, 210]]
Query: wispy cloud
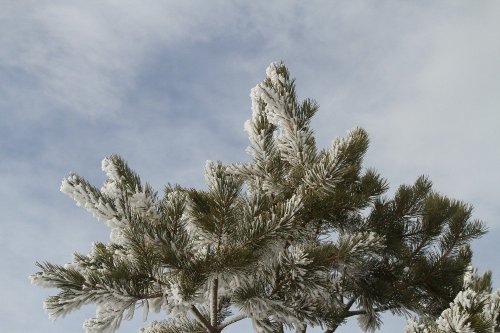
[[85, 56]]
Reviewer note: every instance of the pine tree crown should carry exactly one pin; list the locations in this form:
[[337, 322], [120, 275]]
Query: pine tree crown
[[296, 237]]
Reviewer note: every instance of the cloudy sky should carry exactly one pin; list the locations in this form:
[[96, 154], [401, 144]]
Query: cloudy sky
[[166, 85]]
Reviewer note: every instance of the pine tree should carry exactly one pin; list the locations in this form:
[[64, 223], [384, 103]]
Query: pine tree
[[295, 238]]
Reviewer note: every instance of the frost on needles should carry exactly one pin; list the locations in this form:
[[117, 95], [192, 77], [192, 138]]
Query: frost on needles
[[298, 237]]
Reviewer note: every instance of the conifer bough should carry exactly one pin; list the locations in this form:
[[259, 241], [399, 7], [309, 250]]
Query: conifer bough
[[296, 238]]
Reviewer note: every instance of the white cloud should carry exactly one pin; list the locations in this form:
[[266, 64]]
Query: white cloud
[[84, 56], [442, 117]]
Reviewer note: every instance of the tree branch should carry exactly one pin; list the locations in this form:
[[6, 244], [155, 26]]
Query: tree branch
[[345, 312], [301, 330], [203, 320], [231, 321], [349, 304], [360, 312], [213, 301]]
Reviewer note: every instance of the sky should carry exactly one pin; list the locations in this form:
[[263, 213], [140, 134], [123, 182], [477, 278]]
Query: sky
[[166, 85]]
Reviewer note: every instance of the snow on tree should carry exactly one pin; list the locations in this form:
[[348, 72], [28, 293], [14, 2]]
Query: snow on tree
[[476, 309], [298, 237]]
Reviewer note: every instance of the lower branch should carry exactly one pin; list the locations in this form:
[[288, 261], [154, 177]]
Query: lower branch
[[345, 312], [348, 313], [203, 320], [231, 321], [361, 312]]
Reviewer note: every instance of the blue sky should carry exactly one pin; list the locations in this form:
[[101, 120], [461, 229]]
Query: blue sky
[[166, 85]]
